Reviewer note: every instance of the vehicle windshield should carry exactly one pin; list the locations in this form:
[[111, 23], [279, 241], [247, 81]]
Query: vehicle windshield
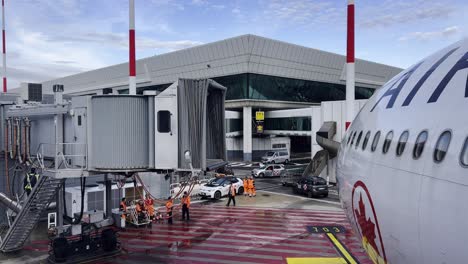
[[270, 153], [217, 181]]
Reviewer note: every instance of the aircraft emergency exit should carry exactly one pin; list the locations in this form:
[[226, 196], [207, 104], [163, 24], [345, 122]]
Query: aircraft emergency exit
[[403, 165]]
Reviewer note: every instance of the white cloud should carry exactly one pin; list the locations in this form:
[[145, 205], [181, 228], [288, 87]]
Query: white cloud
[[424, 36], [389, 13], [236, 10], [300, 12]]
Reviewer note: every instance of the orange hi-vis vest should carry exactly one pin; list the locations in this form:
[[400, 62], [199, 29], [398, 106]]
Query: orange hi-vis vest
[[186, 200], [138, 208], [250, 183], [246, 182], [123, 207], [169, 205]]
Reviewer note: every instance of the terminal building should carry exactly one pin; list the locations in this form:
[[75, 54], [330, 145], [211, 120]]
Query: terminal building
[[294, 88]]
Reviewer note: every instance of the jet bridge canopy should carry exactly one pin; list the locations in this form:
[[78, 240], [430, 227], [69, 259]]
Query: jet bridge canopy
[[201, 123]]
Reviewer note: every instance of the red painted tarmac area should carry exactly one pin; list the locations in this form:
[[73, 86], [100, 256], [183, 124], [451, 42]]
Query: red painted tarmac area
[[242, 235]]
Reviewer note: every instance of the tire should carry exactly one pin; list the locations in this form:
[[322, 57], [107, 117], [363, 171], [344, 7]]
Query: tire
[[240, 191], [272, 162], [310, 195], [295, 190], [325, 195], [261, 175], [217, 195], [60, 249], [286, 161], [283, 183]]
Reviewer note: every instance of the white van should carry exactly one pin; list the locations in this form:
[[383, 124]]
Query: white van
[[281, 156]]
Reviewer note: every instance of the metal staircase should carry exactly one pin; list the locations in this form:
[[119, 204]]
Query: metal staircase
[[317, 164], [25, 222]]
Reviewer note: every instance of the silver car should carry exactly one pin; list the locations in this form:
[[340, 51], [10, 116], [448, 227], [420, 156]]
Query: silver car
[[268, 171], [281, 156]]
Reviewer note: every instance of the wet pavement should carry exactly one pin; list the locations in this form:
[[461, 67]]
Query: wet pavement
[[269, 228]]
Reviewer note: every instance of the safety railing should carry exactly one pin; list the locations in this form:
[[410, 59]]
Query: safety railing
[[66, 156]]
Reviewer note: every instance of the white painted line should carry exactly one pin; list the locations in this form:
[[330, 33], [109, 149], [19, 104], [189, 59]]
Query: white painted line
[[303, 198]]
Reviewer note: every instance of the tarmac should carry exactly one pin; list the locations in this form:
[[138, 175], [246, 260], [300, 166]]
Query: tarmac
[[268, 228]]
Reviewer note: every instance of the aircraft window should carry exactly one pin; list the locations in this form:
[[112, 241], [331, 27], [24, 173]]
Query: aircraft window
[[464, 154], [402, 142], [358, 139], [442, 146], [375, 142], [419, 145], [366, 140], [349, 137], [354, 136], [387, 142]]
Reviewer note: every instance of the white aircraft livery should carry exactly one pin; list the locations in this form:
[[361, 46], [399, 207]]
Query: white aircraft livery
[[403, 165]]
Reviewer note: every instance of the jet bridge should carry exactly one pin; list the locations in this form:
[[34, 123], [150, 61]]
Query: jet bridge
[[110, 135]]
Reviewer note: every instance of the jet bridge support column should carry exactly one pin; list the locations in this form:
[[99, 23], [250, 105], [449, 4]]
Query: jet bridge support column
[[247, 119], [108, 196], [58, 121]]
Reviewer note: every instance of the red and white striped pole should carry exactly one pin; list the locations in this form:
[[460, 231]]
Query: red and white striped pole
[[350, 65], [131, 39], [4, 48]]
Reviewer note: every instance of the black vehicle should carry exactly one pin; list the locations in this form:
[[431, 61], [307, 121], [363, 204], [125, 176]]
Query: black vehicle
[[312, 186]]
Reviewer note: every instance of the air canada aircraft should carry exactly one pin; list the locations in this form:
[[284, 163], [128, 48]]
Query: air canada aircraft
[[403, 165]]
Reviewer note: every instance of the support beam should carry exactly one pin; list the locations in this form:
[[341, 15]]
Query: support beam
[[108, 196], [247, 115]]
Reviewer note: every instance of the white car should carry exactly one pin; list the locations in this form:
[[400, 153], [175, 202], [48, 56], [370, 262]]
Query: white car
[[175, 188], [268, 170], [219, 187], [276, 157]]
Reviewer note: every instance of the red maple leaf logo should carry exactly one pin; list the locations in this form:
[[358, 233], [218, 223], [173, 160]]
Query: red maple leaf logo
[[367, 226]]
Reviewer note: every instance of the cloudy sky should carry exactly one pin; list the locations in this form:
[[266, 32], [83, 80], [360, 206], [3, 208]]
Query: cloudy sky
[[53, 38]]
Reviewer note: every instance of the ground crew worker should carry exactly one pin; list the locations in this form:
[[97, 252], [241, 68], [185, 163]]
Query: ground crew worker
[[232, 195], [140, 209], [250, 185], [246, 189], [149, 204], [252, 189], [123, 208], [169, 205], [185, 206], [30, 180]]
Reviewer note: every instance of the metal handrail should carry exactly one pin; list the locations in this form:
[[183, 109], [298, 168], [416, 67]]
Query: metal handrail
[[62, 157]]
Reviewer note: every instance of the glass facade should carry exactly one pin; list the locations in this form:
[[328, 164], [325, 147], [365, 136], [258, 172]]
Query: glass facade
[[288, 123], [265, 87], [234, 125]]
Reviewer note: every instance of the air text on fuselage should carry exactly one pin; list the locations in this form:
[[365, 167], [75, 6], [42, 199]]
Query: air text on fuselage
[[394, 92]]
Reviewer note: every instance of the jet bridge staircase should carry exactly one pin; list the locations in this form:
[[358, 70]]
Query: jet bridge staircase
[[27, 218], [330, 149]]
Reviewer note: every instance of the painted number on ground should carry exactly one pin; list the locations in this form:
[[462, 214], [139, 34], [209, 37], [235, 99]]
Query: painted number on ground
[[326, 229]]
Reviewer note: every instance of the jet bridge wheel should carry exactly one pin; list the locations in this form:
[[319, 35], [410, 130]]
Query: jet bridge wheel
[[60, 249], [109, 240]]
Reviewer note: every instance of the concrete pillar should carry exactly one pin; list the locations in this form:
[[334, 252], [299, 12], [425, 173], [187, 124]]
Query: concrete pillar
[[247, 119]]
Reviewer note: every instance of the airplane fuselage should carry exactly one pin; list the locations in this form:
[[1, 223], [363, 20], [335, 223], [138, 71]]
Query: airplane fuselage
[[409, 201]]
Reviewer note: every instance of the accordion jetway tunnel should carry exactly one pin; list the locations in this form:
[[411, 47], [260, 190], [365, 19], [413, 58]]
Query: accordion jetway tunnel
[[176, 134]]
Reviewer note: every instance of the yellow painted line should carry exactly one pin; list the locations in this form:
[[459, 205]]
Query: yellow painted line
[[316, 260], [349, 258]]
